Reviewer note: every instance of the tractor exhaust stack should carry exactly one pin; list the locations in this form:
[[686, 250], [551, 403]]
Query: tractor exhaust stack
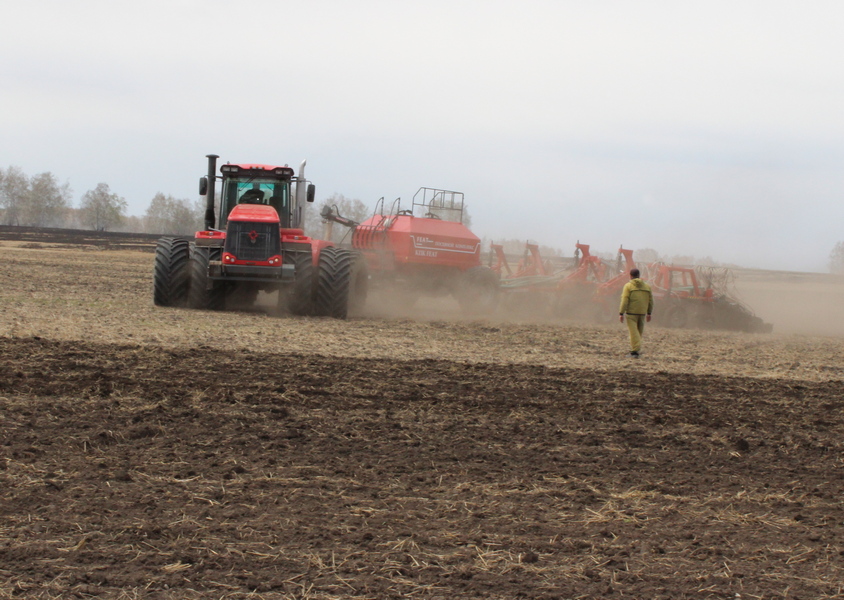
[[209, 193], [301, 186]]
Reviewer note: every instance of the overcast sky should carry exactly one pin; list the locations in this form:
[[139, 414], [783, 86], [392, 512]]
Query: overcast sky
[[709, 128]]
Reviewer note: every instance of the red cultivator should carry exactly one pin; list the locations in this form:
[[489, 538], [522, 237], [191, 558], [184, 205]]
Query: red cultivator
[[590, 288], [580, 290], [700, 298]]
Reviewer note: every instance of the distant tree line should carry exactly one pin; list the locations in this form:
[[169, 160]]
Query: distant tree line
[[42, 201], [37, 201]]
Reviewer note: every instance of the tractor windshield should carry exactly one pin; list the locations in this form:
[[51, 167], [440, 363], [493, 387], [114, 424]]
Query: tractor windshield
[[257, 190]]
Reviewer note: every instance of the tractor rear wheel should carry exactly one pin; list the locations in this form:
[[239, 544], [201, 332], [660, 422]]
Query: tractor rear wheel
[[170, 282], [300, 299], [477, 291], [359, 282], [333, 283], [205, 293]]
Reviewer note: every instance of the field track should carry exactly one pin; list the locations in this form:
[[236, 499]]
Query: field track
[[145, 455]]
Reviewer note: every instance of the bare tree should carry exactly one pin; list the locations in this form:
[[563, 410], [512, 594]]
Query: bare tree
[[467, 218], [310, 220], [449, 206], [102, 210], [172, 216], [350, 208], [133, 224], [46, 202], [836, 259], [14, 192], [198, 209]]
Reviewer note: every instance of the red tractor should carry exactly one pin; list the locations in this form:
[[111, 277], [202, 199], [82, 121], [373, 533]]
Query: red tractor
[[424, 250], [253, 241]]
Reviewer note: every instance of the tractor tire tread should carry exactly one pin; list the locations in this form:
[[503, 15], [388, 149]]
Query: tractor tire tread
[[333, 283], [300, 300], [202, 294], [171, 277]]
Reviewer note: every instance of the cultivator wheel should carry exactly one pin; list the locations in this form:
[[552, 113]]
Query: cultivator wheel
[[205, 293], [300, 299], [676, 316], [171, 277], [478, 290], [333, 283], [735, 317], [705, 317]]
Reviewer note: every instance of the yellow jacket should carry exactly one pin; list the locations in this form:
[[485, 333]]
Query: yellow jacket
[[636, 298]]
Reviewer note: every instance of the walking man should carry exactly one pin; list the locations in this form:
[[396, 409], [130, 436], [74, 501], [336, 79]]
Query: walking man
[[637, 302]]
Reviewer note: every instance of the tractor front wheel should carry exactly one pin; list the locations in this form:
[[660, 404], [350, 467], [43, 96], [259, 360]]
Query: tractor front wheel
[[300, 299], [205, 293], [170, 281]]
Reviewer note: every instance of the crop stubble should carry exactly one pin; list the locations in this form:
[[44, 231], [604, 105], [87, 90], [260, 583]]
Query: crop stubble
[[171, 454]]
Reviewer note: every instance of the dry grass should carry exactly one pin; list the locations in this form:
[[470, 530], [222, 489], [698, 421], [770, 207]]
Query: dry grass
[[67, 294]]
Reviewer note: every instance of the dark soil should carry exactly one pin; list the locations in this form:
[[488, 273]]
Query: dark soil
[[107, 240], [142, 472]]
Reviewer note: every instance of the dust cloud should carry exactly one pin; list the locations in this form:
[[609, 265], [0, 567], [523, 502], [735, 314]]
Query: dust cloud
[[397, 304], [796, 303]]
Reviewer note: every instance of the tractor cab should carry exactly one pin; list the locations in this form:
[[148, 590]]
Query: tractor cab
[[257, 185], [259, 207]]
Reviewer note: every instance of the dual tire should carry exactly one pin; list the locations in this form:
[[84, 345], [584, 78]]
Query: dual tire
[[338, 284], [181, 276], [300, 299], [341, 283], [204, 293], [172, 274]]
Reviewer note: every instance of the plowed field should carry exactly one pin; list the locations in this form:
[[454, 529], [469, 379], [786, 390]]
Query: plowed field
[[165, 453]]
